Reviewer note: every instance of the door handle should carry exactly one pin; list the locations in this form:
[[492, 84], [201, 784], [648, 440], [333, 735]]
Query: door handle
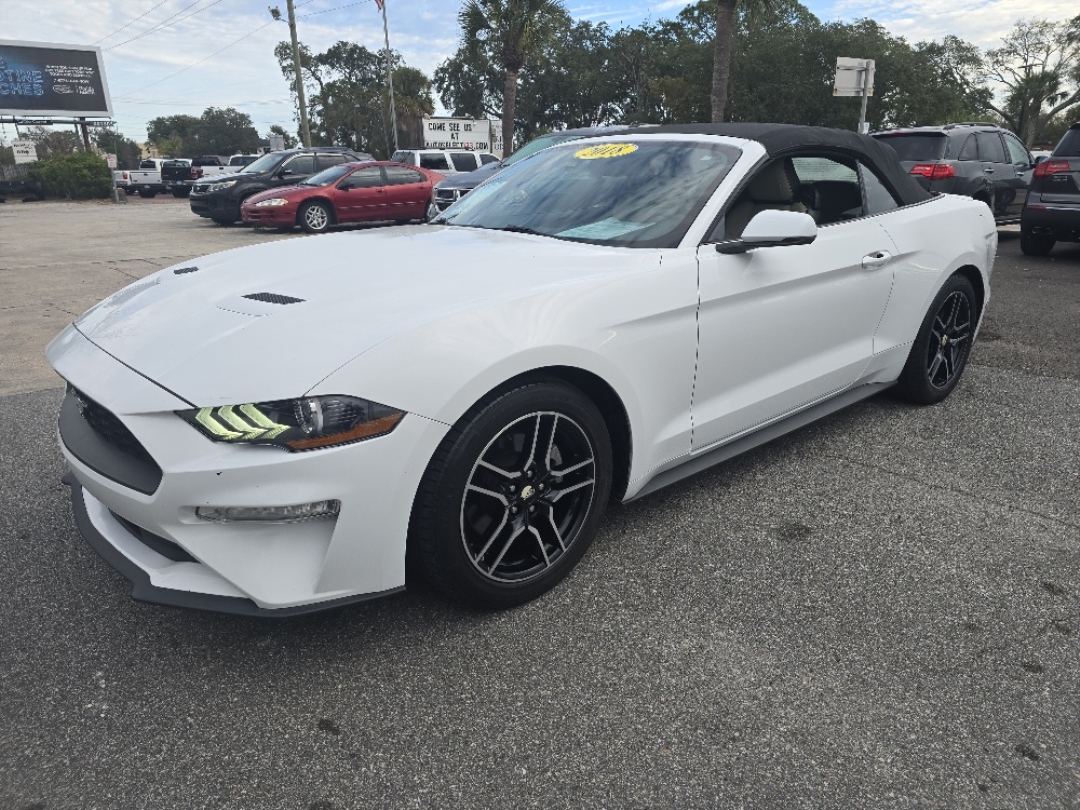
[[988, 169], [879, 258]]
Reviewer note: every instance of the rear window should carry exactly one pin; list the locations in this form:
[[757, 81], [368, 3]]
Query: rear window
[[1070, 144], [463, 161], [148, 164], [916, 147], [205, 161], [437, 163]]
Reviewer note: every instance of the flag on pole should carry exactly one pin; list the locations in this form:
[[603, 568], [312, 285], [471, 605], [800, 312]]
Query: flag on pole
[[379, 3]]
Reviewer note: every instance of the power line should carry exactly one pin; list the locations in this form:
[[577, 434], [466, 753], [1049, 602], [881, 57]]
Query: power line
[[166, 24], [325, 10], [122, 27], [193, 64]]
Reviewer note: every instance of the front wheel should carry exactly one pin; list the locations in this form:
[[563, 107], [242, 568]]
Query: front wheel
[[315, 217], [513, 497], [941, 349], [1035, 244], [180, 193]]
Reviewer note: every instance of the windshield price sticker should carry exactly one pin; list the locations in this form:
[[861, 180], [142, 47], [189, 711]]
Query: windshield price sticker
[[605, 150]]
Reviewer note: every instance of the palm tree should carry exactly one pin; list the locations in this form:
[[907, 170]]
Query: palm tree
[[509, 30], [726, 20]]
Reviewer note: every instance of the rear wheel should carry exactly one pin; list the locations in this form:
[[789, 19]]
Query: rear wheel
[[1032, 244], [148, 194], [315, 217], [513, 497], [223, 221], [941, 349], [181, 192]]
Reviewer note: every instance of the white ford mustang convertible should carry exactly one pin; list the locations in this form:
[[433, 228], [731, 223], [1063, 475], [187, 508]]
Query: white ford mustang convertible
[[291, 426]]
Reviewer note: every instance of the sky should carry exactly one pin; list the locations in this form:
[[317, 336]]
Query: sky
[[164, 57]]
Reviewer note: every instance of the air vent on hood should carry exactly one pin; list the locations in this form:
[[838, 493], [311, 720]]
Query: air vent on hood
[[179, 271], [274, 298]]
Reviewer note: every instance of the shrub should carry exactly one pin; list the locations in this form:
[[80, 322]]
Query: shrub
[[78, 176]]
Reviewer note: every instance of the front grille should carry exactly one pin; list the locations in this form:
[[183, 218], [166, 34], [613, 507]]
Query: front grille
[[109, 428]]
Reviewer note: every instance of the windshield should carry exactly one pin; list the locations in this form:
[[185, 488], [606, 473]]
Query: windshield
[[263, 164], [241, 160], [534, 146], [632, 194], [328, 176], [916, 147]]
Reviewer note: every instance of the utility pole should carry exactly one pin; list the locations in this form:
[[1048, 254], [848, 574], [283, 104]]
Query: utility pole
[[389, 69], [305, 130]]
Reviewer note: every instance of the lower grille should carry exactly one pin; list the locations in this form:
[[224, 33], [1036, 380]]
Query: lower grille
[[166, 548]]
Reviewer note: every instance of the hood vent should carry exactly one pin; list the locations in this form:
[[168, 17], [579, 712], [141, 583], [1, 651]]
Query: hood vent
[[274, 298], [179, 271]]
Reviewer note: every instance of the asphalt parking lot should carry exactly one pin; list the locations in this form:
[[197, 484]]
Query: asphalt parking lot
[[881, 610]]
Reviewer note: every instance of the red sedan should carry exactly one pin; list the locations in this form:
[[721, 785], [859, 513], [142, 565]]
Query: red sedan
[[350, 192]]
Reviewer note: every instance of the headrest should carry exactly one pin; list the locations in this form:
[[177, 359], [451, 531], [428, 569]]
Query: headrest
[[776, 183], [836, 196]]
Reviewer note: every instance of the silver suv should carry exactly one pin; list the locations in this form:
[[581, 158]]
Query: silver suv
[[976, 160]]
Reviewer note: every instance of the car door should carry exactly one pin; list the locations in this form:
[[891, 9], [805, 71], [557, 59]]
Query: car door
[[294, 170], [408, 193], [781, 328], [998, 170], [1022, 164], [361, 196]]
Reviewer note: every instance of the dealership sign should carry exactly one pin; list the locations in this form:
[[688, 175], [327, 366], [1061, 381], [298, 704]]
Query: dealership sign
[[457, 133], [42, 78], [25, 151]]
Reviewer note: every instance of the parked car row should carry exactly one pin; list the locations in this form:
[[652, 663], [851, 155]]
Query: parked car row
[[159, 175]]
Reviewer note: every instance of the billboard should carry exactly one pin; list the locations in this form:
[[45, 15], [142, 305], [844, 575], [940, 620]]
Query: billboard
[[43, 78]]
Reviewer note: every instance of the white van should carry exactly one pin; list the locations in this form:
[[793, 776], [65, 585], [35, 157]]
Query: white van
[[444, 161]]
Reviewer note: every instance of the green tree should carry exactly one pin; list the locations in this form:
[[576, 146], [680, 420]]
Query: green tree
[[726, 19], [177, 129], [509, 32], [1039, 65], [50, 142], [128, 154], [224, 132]]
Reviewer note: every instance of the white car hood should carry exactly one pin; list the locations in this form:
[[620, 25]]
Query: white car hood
[[196, 334]]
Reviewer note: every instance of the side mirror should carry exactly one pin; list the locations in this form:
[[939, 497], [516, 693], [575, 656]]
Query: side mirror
[[1039, 160], [773, 229], [284, 172]]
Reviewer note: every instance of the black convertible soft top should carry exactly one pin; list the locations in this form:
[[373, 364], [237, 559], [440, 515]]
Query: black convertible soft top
[[784, 140]]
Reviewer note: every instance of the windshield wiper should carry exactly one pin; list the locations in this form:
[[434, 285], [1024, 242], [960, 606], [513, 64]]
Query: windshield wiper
[[520, 229]]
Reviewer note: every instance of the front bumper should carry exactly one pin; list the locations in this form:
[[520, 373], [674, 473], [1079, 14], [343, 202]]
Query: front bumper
[[214, 204], [251, 568], [277, 216]]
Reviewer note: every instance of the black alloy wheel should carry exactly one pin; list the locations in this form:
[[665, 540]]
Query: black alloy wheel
[[513, 497], [941, 350]]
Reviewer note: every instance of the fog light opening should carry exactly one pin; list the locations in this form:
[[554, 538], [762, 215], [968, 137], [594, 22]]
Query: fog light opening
[[269, 514]]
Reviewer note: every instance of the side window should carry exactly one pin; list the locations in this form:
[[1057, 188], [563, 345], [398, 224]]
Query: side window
[[969, 151], [301, 165], [371, 177], [400, 176], [463, 161], [878, 198], [1017, 153], [325, 161], [829, 189], [486, 159], [404, 157], [437, 163], [990, 148]]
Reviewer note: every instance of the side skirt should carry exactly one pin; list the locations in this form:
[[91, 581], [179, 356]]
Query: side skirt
[[708, 458]]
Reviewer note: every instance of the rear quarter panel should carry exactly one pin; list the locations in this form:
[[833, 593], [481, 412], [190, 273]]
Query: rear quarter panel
[[933, 240]]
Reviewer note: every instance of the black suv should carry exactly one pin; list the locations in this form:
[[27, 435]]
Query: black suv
[[219, 197], [976, 160], [1052, 212]]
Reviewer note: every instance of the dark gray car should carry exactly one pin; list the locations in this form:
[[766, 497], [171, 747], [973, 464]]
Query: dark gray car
[[1052, 213], [976, 160], [449, 191]]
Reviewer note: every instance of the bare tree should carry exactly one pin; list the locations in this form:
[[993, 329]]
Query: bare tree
[[1039, 65]]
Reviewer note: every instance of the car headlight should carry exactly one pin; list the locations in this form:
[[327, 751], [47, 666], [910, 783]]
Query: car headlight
[[222, 186], [272, 201], [295, 424]]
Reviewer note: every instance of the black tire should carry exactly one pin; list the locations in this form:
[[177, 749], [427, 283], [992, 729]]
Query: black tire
[[315, 217], [488, 472], [149, 195], [180, 193], [223, 221], [1032, 244], [940, 352]]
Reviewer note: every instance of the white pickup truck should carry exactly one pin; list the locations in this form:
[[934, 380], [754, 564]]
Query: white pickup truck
[[147, 178]]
